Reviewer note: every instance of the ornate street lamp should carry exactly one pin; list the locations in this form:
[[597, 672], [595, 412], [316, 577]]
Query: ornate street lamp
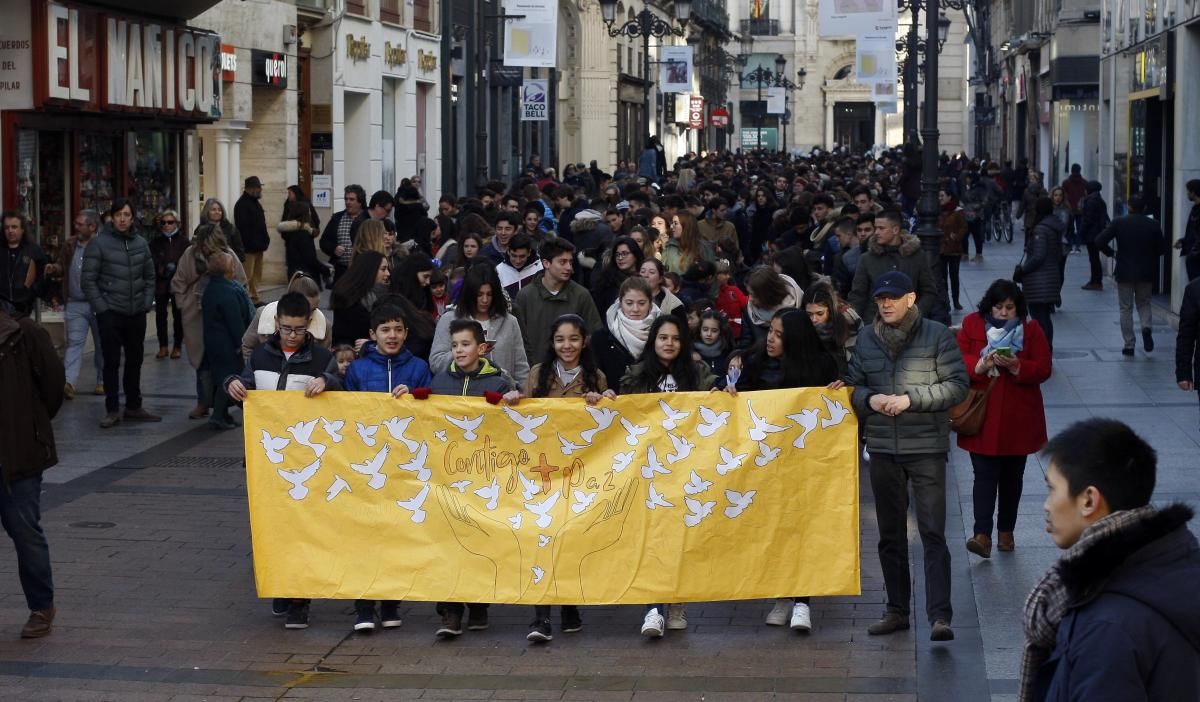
[[646, 24], [761, 76]]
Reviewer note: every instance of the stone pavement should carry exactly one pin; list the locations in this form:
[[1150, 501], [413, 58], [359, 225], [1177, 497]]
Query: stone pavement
[[151, 547]]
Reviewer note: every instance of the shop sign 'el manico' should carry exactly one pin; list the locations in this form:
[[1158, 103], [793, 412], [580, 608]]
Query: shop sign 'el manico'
[[96, 61]]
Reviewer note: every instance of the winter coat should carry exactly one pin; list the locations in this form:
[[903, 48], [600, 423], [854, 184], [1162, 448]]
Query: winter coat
[[1132, 628], [486, 378], [351, 323], [329, 237], [232, 237], [251, 223], [378, 372], [31, 385], [166, 250], [413, 224], [1191, 233], [227, 313], [929, 369], [300, 254], [188, 288], [263, 326], [1187, 342], [270, 369], [556, 388], [1028, 205], [1140, 243], [1041, 275], [536, 310], [1015, 420], [669, 302], [954, 231], [18, 275], [907, 257], [611, 356], [1093, 217], [118, 273], [632, 383], [508, 355], [1075, 189], [673, 260]]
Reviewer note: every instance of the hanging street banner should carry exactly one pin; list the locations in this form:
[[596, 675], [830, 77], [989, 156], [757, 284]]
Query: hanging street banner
[[649, 498], [776, 101], [675, 69], [535, 100], [875, 60], [749, 138], [846, 18], [695, 112], [532, 40]]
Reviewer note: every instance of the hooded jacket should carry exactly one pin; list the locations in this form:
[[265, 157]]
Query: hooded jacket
[[31, 385], [457, 382], [1041, 274], [270, 369], [906, 256], [508, 354], [378, 372], [118, 273]]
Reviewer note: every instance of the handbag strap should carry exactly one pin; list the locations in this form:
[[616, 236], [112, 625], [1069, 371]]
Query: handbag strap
[[991, 385]]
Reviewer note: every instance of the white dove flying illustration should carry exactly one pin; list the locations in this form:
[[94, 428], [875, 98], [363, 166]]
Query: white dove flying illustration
[[415, 504], [807, 419], [491, 493], [738, 502], [761, 426], [302, 433], [712, 421], [333, 429], [674, 417], [467, 425], [683, 449], [366, 433], [621, 461], [603, 417], [298, 477], [766, 454], [568, 447], [529, 487], [527, 423], [697, 510], [544, 541], [542, 509], [696, 485], [837, 412], [396, 427], [538, 574], [730, 461], [461, 485], [339, 485], [274, 445], [656, 499], [583, 500], [441, 435], [515, 520], [374, 468], [633, 431], [417, 464], [653, 465]]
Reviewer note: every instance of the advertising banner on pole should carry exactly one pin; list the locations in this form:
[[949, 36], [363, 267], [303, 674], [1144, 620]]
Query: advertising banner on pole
[[696, 112], [776, 101], [875, 60], [846, 18], [750, 135], [531, 40], [675, 69], [535, 100]]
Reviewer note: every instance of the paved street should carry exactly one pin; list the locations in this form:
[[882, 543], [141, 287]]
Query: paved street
[[151, 547]]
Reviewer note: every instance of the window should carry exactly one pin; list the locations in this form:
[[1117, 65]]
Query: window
[[389, 11], [423, 15], [356, 7]]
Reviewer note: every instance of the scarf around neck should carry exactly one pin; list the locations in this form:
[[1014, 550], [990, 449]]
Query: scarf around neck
[[895, 338], [709, 350], [630, 333], [1000, 334]]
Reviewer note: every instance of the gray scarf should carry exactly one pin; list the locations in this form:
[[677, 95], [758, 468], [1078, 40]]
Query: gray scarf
[[709, 350], [895, 338]]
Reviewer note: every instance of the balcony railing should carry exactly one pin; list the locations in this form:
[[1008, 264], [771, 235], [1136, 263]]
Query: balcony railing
[[760, 27], [711, 14]]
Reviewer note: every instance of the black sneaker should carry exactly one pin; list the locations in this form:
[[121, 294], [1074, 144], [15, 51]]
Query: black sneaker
[[571, 621], [389, 615], [1147, 340], [539, 631], [364, 620], [297, 616], [279, 606], [1127, 351], [477, 618], [451, 625]]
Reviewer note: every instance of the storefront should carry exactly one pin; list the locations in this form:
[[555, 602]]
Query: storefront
[[105, 109]]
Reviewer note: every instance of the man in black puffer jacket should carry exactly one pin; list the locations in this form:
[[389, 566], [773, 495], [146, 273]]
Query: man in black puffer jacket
[[1041, 270], [907, 372]]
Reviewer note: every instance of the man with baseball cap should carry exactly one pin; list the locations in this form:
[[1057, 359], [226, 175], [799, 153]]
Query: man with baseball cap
[[907, 371]]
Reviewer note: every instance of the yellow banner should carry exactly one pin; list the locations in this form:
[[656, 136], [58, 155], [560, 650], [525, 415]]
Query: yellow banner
[[648, 498]]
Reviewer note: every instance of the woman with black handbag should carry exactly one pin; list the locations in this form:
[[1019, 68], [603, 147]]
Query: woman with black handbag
[[1008, 358]]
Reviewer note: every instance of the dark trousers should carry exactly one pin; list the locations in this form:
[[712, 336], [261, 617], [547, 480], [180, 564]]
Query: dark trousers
[[890, 477], [1043, 313], [1097, 275], [975, 229], [948, 270], [543, 611], [20, 513], [162, 305], [1192, 264], [122, 333], [367, 607], [996, 477], [457, 607]]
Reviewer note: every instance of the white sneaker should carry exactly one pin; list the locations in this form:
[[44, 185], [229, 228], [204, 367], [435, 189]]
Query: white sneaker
[[677, 617], [801, 618], [779, 613], [652, 625]]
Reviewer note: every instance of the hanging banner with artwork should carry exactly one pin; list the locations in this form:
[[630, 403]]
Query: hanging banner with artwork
[[875, 60], [675, 69], [648, 498], [531, 40], [847, 18]]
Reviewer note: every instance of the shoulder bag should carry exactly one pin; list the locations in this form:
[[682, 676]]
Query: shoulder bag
[[967, 417]]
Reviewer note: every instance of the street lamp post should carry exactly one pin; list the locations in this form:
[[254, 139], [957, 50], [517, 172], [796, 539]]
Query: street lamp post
[[646, 24], [762, 75]]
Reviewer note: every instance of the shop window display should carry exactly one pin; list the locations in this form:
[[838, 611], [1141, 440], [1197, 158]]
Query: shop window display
[[150, 157], [97, 172]]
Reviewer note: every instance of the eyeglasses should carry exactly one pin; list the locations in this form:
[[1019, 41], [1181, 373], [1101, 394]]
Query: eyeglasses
[[285, 330]]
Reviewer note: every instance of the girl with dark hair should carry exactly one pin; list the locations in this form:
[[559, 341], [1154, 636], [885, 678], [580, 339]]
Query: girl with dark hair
[[297, 194], [714, 343], [762, 215], [686, 247], [627, 328], [655, 273], [1000, 346], [568, 368], [412, 281], [624, 260], [769, 292], [1040, 272], [355, 294], [836, 321], [298, 233], [481, 298]]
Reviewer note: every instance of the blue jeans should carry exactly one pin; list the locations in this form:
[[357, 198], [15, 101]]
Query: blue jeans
[[20, 513], [80, 319]]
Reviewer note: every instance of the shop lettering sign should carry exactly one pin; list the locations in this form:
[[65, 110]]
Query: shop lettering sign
[[228, 63], [16, 64], [426, 61], [394, 55], [269, 68], [357, 49]]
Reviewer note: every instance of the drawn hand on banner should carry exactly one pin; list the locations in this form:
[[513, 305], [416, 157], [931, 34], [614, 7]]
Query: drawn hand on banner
[[485, 537], [807, 419], [588, 533]]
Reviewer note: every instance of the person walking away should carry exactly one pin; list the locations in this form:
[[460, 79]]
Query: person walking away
[[1115, 618], [118, 279], [907, 372], [1004, 350], [78, 316], [1025, 208], [1140, 243], [1187, 341], [251, 222], [1041, 273], [31, 385], [227, 313], [1189, 245], [1092, 220], [652, 164], [953, 223], [167, 248], [1076, 189]]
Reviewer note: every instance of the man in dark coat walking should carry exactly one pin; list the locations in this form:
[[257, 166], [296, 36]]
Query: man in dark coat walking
[[1189, 245], [31, 387], [251, 221], [1140, 243], [1092, 220], [1187, 341]]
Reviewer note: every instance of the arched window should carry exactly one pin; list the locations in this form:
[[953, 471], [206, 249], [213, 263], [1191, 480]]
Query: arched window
[[843, 72]]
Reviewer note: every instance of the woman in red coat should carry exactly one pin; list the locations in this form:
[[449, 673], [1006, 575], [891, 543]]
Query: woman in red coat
[[1000, 341]]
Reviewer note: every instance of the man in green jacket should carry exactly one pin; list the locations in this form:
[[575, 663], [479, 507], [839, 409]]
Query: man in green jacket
[[551, 296], [890, 249]]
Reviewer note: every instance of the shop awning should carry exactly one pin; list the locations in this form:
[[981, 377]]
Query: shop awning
[[178, 9]]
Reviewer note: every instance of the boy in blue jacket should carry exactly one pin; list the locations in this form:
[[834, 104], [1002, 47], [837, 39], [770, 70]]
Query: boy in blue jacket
[[385, 366]]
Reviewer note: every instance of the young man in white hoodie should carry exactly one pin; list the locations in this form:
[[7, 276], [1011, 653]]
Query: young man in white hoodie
[[520, 267]]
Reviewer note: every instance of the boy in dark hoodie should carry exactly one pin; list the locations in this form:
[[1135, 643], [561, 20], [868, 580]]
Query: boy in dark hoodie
[[385, 366]]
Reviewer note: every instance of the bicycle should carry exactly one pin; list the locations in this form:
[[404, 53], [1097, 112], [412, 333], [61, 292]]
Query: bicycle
[[999, 226]]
